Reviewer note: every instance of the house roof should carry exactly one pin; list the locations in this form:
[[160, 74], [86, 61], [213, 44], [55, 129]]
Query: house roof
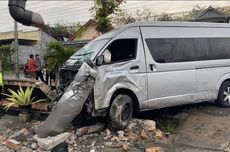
[[89, 22], [211, 13]]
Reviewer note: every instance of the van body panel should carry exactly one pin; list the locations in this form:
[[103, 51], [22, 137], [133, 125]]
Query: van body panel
[[159, 85], [114, 76]]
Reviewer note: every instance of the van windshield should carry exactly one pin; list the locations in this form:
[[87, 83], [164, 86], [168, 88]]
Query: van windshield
[[89, 51]]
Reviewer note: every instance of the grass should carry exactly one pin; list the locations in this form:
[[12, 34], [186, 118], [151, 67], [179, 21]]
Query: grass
[[168, 125]]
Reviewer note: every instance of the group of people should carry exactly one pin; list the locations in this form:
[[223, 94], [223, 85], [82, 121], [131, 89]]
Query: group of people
[[33, 69]]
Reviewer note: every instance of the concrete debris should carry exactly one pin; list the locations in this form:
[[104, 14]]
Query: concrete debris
[[88, 138], [20, 135], [149, 125], [50, 142], [34, 146], [120, 133]]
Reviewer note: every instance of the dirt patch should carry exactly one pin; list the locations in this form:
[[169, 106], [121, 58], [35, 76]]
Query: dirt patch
[[204, 131]]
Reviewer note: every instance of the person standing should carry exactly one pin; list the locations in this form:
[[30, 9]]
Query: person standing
[[32, 66], [39, 73]]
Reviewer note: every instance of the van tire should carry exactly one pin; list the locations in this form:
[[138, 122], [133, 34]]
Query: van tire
[[121, 111], [223, 99]]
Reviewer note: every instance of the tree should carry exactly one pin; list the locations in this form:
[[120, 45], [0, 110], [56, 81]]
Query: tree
[[102, 10], [125, 17], [194, 13], [6, 51], [62, 30], [165, 17], [57, 54]]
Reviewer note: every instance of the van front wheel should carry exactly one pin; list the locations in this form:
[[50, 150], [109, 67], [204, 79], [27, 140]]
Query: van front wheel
[[121, 111], [224, 95]]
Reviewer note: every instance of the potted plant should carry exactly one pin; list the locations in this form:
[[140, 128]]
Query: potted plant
[[23, 100]]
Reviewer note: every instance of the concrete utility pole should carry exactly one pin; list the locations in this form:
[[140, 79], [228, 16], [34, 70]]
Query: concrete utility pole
[[16, 47]]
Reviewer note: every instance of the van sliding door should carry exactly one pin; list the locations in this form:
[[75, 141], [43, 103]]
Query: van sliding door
[[170, 67]]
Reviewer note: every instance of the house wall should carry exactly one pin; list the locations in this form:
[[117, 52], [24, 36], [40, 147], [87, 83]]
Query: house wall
[[39, 48], [88, 34], [33, 35]]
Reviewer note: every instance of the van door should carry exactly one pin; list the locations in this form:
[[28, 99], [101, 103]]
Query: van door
[[123, 68], [170, 67]]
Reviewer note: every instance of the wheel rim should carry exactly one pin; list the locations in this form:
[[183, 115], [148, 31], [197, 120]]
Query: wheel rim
[[227, 95], [125, 112]]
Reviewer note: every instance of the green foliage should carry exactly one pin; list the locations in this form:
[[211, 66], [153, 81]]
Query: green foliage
[[20, 98], [165, 17], [101, 11], [57, 54], [61, 30], [124, 17], [189, 16], [6, 51]]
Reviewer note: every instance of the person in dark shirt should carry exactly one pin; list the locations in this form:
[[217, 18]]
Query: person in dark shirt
[[39, 73]]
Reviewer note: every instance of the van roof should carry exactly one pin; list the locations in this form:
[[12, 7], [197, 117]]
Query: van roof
[[178, 24], [164, 24]]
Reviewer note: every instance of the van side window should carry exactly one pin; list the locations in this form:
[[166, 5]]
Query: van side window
[[220, 48], [172, 49], [202, 48], [162, 50], [184, 50], [123, 49]]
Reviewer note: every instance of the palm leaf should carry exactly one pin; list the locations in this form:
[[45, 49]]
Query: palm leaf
[[9, 105], [20, 97]]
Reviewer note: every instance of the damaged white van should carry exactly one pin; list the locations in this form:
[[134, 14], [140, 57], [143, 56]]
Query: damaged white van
[[153, 65]]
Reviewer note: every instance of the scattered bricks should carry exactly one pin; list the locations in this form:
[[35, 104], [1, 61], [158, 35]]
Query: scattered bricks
[[40, 106], [125, 147], [153, 149], [13, 144], [2, 139], [96, 128], [20, 135], [123, 138], [83, 130], [159, 134], [115, 139], [91, 129], [143, 134], [132, 136], [149, 125], [50, 142], [44, 87]]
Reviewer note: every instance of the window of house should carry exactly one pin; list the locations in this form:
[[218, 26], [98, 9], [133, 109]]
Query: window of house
[[123, 49]]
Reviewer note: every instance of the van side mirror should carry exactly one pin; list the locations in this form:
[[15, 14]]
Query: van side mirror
[[100, 60]]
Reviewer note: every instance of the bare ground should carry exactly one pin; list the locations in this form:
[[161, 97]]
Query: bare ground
[[195, 128]]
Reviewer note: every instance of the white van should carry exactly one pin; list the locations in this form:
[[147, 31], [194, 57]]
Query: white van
[[153, 65]]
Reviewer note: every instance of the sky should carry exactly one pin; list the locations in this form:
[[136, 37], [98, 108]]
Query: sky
[[78, 10]]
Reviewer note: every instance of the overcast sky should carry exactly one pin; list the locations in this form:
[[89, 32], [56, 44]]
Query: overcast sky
[[75, 11]]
